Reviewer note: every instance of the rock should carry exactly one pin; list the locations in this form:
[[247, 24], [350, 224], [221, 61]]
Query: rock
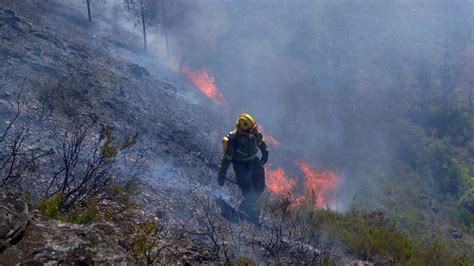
[[48, 241], [13, 219], [76, 244], [467, 200]]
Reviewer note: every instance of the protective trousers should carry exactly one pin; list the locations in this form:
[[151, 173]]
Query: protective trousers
[[250, 177]]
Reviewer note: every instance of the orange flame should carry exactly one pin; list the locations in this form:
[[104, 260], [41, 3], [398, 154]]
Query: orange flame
[[319, 183], [279, 183], [204, 81], [267, 137]]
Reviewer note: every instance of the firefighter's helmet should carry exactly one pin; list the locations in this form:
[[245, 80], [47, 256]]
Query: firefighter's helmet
[[245, 122]]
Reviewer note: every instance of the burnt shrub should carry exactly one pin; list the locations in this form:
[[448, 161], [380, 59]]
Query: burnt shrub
[[83, 175]]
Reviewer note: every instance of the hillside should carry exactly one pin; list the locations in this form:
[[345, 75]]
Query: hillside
[[109, 153], [64, 78]]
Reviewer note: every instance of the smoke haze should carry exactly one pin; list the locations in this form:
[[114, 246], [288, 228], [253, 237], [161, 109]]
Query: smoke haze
[[327, 79]]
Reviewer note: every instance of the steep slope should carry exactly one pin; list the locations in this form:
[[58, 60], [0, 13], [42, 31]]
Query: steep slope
[[64, 74], [67, 73], [64, 71]]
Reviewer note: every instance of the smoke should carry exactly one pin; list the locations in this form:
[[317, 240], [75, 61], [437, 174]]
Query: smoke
[[327, 79]]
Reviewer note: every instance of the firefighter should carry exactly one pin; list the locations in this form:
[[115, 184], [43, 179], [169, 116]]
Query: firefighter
[[241, 149]]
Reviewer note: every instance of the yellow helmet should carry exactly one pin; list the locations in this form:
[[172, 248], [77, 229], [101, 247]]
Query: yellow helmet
[[245, 122]]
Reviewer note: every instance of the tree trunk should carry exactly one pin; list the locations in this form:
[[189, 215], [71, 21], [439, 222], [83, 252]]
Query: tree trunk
[[163, 15], [89, 10], [143, 23]]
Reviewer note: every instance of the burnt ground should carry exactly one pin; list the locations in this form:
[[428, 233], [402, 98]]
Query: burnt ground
[[70, 75], [66, 70]]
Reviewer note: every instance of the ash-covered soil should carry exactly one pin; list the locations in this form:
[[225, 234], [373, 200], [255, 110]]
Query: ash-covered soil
[[65, 71]]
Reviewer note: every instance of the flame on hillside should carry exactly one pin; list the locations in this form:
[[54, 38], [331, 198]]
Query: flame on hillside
[[317, 184], [321, 184], [278, 182], [203, 81]]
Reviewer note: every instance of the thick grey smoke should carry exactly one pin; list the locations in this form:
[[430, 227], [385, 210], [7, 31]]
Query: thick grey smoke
[[326, 78]]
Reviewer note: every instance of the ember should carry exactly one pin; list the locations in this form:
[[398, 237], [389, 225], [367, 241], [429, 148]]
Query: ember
[[204, 81]]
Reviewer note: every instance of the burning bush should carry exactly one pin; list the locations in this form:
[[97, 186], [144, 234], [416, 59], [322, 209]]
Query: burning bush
[[278, 182], [318, 184]]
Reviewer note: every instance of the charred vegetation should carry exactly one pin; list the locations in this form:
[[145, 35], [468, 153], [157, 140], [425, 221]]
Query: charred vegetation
[[368, 114]]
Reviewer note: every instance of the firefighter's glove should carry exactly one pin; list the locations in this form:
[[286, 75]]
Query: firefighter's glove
[[221, 176]]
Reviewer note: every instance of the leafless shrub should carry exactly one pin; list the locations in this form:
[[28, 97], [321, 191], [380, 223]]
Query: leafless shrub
[[292, 232], [214, 228], [83, 165], [15, 159]]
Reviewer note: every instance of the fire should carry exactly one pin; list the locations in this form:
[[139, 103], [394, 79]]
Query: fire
[[279, 183], [204, 81], [267, 137], [317, 183]]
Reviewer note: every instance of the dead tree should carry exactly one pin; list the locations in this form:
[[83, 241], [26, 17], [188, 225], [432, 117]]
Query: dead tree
[[89, 10], [145, 13], [142, 8], [164, 26], [137, 10]]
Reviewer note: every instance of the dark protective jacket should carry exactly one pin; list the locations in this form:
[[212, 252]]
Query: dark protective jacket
[[241, 147]]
